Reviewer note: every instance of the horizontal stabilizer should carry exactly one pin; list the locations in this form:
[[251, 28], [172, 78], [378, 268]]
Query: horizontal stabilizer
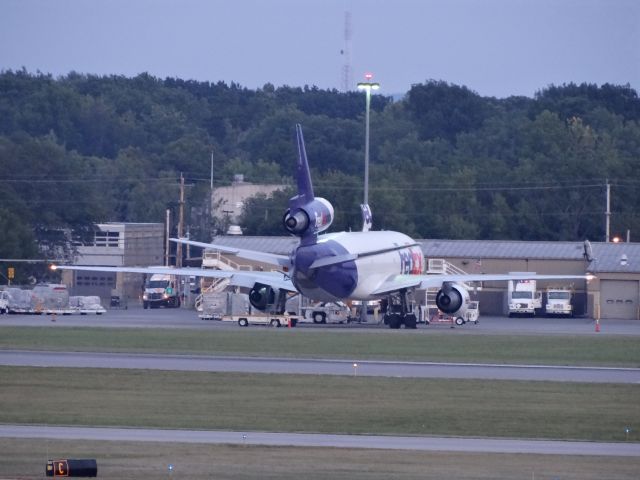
[[270, 258]]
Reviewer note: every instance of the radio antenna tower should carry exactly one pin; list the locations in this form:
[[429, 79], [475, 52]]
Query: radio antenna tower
[[347, 80]]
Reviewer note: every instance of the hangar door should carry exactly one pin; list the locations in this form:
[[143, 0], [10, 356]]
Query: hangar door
[[94, 283], [619, 299]]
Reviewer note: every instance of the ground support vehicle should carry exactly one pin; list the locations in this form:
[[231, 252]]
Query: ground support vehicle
[[327, 312], [161, 290], [559, 302], [522, 297], [473, 313], [285, 320]]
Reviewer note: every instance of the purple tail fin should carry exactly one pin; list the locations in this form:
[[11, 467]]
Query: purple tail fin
[[303, 176]]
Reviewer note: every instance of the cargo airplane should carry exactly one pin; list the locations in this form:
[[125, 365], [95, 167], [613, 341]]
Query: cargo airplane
[[366, 265]]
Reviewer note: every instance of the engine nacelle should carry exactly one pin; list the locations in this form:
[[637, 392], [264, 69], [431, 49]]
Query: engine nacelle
[[262, 296], [452, 299], [314, 217]]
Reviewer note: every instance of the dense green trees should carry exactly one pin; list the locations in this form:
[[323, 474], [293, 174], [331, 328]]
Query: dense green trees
[[445, 162]]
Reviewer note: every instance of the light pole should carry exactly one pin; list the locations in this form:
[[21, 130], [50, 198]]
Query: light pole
[[367, 87]]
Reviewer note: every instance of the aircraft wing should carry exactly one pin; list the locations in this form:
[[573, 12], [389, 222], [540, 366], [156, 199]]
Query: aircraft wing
[[239, 278], [399, 282], [271, 258]]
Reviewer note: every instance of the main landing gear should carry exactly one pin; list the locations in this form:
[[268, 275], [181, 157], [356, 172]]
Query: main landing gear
[[397, 311]]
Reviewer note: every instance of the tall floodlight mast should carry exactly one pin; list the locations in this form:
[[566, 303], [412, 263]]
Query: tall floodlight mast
[[367, 86]]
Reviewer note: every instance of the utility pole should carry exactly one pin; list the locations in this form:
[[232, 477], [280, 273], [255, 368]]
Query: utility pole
[[607, 214], [180, 223], [167, 227]]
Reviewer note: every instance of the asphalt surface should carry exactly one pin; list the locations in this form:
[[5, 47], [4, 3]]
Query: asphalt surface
[[449, 444], [319, 367]]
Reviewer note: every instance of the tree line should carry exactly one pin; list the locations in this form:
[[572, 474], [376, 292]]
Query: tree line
[[445, 161]]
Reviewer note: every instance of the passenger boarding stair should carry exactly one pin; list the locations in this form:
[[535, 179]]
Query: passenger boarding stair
[[211, 286]]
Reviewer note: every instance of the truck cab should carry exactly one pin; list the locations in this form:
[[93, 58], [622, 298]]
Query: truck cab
[[161, 290], [328, 312], [559, 302]]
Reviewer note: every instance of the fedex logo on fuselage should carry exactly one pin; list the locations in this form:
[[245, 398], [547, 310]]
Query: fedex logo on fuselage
[[410, 261]]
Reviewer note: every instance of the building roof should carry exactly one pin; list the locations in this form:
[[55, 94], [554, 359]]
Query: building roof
[[615, 258], [502, 249], [607, 257], [269, 244]]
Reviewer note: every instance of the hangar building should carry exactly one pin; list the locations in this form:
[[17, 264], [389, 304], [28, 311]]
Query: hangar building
[[614, 293]]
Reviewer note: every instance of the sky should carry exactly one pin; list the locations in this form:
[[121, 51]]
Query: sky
[[494, 47]]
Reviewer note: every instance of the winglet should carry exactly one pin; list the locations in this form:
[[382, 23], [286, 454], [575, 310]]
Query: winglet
[[303, 176]]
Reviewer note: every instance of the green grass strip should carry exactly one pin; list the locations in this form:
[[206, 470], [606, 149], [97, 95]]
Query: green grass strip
[[602, 350], [25, 458], [310, 403]]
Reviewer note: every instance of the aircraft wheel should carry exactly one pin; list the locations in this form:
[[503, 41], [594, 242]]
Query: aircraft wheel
[[410, 321], [319, 317], [243, 322], [395, 321]]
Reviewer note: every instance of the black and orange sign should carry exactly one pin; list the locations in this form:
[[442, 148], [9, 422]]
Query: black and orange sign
[[57, 468]]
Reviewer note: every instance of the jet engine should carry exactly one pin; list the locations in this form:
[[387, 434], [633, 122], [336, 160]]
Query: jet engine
[[452, 299], [261, 296], [314, 217]]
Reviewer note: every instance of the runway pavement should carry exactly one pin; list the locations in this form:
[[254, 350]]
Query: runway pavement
[[449, 444], [319, 367]]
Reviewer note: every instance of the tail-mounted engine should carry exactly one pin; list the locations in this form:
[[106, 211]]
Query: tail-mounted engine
[[452, 299], [312, 218]]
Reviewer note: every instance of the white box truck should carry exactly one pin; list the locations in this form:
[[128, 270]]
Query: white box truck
[[522, 297]]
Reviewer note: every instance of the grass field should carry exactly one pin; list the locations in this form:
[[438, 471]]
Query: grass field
[[602, 350], [318, 403], [310, 403], [129, 461]]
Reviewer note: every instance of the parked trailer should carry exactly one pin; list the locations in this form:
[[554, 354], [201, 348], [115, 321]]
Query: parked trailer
[[263, 319], [86, 305]]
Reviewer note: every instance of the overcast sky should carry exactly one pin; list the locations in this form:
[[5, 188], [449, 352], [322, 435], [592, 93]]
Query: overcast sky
[[495, 47]]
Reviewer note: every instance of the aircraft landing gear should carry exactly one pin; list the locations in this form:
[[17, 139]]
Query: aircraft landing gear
[[399, 311]]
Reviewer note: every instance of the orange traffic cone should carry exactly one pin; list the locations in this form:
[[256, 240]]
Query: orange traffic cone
[[597, 325]]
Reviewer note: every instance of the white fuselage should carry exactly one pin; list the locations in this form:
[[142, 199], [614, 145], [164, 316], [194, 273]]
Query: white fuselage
[[379, 256]]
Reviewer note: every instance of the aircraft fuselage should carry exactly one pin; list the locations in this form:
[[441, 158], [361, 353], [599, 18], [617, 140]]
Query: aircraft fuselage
[[365, 261]]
